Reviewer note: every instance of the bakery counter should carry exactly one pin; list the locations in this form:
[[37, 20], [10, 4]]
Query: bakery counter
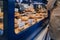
[[32, 31], [1, 20], [24, 21]]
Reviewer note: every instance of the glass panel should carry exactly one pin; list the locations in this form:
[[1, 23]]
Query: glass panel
[[1, 17], [28, 14]]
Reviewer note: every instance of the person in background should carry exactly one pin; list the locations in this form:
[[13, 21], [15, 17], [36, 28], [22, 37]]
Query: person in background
[[19, 6], [54, 25], [38, 1]]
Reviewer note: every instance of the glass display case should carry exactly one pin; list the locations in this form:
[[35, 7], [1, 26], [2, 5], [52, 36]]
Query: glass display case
[[27, 15], [21, 20]]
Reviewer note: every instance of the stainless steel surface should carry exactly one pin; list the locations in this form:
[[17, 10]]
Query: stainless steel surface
[[42, 34]]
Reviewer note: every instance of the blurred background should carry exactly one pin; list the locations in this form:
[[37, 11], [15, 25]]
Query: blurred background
[[54, 25]]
